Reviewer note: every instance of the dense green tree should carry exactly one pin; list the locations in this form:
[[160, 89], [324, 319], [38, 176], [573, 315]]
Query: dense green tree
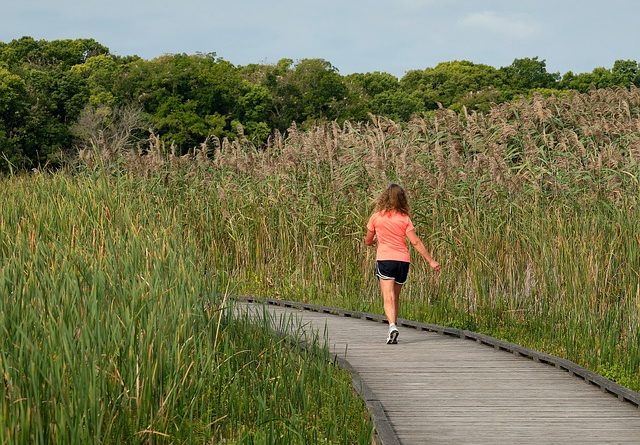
[[254, 111], [57, 97], [362, 89], [189, 97], [13, 112], [256, 73], [396, 104], [528, 73], [626, 72], [310, 90], [449, 82], [51, 97], [374, 83], [36, 126], [103, 74], [255, 104], [43, 53], [598, 78], [180, 124]]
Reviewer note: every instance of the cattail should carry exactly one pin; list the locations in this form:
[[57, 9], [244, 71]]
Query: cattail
[[32, 240]]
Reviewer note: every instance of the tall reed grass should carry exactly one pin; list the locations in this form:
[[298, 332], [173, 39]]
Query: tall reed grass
[[113, 328], [532, 208]]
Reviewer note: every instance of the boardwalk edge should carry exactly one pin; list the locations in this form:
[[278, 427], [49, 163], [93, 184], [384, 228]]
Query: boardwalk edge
[[384, 433]]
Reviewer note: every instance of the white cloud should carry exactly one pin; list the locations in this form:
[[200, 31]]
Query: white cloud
[[509, 25]]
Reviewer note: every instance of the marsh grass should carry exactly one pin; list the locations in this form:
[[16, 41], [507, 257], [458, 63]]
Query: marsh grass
[[110, 322], [557, 274], [113, 328], [532, 208]]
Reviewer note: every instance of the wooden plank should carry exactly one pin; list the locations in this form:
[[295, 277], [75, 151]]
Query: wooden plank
[[442, 389]]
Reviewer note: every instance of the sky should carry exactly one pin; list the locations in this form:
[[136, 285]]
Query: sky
[[393, 36]]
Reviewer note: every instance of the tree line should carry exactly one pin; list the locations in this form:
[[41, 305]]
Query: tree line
[[55, 95]]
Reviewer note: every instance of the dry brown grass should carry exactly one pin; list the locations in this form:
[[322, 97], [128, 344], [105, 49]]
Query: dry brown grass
[[532, 207], [544, 143]]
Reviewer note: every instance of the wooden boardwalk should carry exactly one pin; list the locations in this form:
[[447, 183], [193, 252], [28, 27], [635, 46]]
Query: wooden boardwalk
[[437, 389]]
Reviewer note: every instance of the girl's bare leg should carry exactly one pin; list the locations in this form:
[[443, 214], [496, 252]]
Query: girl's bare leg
[[397, 288], [387, 287]]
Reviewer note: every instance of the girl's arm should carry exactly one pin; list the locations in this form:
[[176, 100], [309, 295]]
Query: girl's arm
[[369, 238], [417, 244]]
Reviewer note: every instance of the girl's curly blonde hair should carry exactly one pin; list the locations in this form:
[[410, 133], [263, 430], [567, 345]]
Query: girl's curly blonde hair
[[393, 198]]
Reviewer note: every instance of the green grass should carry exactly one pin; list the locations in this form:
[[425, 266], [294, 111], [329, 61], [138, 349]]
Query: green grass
[[532, 210], [558, 274], [111, 329]]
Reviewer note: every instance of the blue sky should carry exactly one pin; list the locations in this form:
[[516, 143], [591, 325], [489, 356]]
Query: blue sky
[[355, 36]]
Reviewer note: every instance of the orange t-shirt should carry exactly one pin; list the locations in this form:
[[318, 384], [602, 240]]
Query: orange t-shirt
[[391, 228]]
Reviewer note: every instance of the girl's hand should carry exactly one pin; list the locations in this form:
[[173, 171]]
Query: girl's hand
[[370, 239], [434, 265]]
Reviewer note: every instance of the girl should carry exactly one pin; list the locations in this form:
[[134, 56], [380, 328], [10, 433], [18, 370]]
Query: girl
[[391, 223]]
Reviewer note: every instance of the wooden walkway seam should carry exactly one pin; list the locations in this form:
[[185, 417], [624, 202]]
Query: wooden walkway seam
[[384, 427]]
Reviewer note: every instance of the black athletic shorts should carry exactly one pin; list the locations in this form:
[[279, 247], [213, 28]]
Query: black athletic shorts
[[392, 270]]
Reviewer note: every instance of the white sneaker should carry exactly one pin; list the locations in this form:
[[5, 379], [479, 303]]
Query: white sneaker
[[392, 339]]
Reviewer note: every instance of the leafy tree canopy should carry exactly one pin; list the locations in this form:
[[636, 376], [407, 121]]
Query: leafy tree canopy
[[47, 86], [449, 82], [528, 73]]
